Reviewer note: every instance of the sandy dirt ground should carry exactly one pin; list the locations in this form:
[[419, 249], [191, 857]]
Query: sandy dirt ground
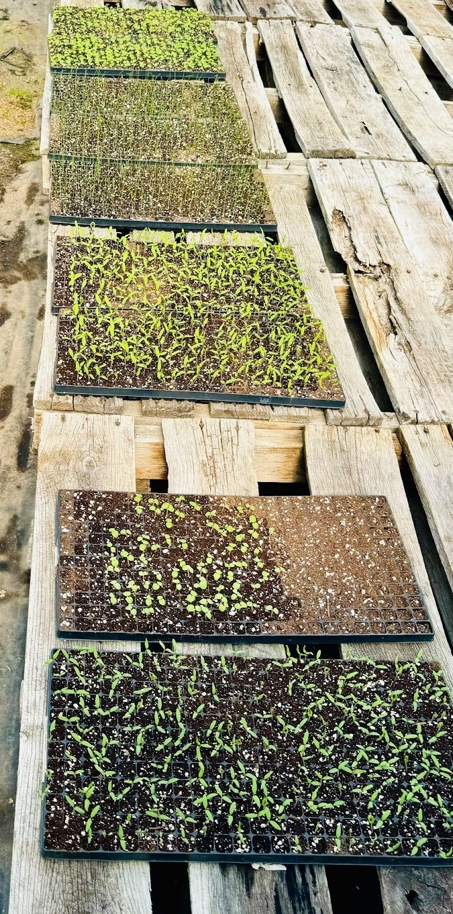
[[23, 245]]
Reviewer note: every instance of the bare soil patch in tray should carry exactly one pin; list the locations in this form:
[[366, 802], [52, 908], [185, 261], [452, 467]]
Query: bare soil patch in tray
[[215, 567], [166, 320], [162, 194], [168, 120], [170, 757]]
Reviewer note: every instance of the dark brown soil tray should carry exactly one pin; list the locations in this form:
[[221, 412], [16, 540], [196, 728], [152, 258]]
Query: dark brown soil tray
[[142, 319], [160, 756], [303, 568]]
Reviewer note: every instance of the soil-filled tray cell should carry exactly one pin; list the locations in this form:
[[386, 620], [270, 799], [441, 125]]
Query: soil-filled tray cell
[[135, 193], [110, 41], [148, 120], [305, 760], [165, 320], [290, 568]]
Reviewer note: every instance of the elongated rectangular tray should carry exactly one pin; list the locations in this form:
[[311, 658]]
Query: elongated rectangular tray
[[166, 757], [293, 569]]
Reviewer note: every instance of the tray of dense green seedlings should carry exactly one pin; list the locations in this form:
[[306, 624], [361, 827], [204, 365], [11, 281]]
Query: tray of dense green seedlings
[[174, 567], [226, 323], [148, 120], [178, 44], [164, 195], [165, 757]]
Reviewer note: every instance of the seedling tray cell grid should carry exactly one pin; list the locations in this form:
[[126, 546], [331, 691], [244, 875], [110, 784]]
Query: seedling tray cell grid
[[161, 43], [165, 757], [206, 76], [169, 567], [166, 320]]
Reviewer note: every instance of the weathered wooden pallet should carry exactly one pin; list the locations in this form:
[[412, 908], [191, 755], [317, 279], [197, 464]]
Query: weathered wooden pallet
[[410, 337], [98, 452], [236, 49], [353, 461], [433, 31], [445, 175]]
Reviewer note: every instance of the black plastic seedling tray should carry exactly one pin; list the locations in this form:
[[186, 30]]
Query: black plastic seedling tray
[[269, 228], [164, 757], [141, 74], [296, 573], [142, 393]]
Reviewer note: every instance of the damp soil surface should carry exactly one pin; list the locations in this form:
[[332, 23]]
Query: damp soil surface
[[212, 758], [243, 568]]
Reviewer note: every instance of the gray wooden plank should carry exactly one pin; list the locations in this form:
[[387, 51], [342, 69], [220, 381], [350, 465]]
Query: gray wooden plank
[[410, 341], [409, 890], [354, 461], [287, 194], [440, 50], [362, 13], [230, 889], [445, 175], [425, 226], [310, 11], [423, 18], [222, 9], [77, 452], [409, 95], [429, 451], [316, 130], [216, 457], [267, 9], [236, 49], [349, 94]]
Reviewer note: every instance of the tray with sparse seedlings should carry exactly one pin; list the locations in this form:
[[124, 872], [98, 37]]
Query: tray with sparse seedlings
[[162, 44], [166, 757], [175, 567], [165, 320], [147, 120], [165, 195]]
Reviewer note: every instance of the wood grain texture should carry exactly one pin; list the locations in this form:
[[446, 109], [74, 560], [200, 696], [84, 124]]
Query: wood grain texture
[[440, 50], [267, 9], [349, 94], [363, 13], [222, 9], [445, 175], [425, 226], [310, 11], [409, 95], [210, 456], [237, 53], [43, 392], [77, 452], [408, 338], [423, 18], [315, 129], [362, 461], [413, 890], [429, 451], [296, 229], [229, 889]]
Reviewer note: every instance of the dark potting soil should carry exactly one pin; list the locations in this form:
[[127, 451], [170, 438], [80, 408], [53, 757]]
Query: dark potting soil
[[178, 757], [208, 566], [167, 319]]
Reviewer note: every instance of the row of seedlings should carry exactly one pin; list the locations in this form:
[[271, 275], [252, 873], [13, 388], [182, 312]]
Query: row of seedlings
[[162, 756]]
